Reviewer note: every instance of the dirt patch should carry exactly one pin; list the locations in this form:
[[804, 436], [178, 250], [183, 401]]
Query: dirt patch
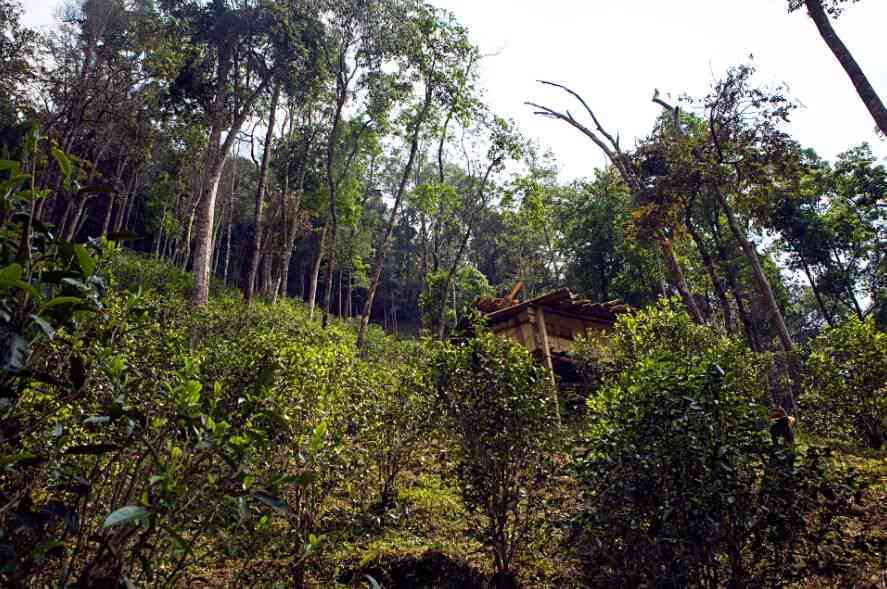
[[432, 570]]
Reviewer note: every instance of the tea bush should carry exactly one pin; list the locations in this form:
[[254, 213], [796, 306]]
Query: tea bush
[[683, 484], [498, 405], [845, 395]]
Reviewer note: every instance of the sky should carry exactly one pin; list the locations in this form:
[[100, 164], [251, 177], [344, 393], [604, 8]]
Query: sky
[[616, 52]]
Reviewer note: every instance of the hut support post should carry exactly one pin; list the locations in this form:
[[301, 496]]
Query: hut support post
[[542, 331]]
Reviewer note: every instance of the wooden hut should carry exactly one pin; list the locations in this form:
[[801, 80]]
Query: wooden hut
[[547, 325]]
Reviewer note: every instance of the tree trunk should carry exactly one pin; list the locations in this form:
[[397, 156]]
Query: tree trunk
[[340, 294], [711, 270], [864, 89], [106, 223], [763, 283], [348, 308], [451, 275], [228, 242], [260, 197], [205, 214], [751, 335], [217, 153], [382, 250], [680, 281], [816, 294], [315, 274]]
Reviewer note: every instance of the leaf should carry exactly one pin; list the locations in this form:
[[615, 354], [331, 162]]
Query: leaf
[[266, 378], [27, 287], [46, 548], [9, 165], [87, 262], [91, 449], [55, 302], [373, 583], [97, 420], [317, 437], [10, 275], [64, 161], [125, 515], [14, 360], [271, 501], [44, 325], [22, 459]]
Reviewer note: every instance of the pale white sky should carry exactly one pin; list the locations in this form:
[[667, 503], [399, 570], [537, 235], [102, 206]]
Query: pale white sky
[[615, 52]]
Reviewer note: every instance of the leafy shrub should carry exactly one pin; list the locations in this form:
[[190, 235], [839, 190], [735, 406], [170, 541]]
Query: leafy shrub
[[845, 395], [157, 445], [396, 408], [498, 405], [683, 485]]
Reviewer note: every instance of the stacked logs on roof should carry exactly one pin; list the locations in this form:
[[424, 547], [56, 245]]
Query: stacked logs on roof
[[615, 306], [492, 304]]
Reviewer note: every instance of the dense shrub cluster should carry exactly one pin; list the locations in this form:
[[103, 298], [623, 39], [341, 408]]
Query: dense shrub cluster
[[683, 484], [846, 391], [498, 404]]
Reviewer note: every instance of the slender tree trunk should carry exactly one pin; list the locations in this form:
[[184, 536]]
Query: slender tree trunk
[[186, 240], [680, 281], [315, 273], [260, 197], [332, 185], [217, 240], [382, 250], [340, 294], [121, 208], [751, 335], [130, 204], [228, 241], [158, 239], [763, 283], [711, 270], [118, 182], [451, 275], [816, 294], [864, 89], [205, 213], [217, 153], [348, 308], [106, 223]]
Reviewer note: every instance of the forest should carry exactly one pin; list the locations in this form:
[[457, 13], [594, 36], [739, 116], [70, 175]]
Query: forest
[[247, 253]]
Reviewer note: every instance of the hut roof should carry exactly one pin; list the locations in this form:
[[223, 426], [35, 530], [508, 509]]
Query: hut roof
[[560, 301]]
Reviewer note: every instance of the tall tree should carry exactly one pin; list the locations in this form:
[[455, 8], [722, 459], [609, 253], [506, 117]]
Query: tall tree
[[634, 179], [436, 47], [234, 54], [819, 11]]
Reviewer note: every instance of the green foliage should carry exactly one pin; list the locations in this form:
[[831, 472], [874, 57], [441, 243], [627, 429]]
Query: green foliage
[[604, 256], [469, 284], [45, 282], [682, 482], [845, 395], [497, 403]]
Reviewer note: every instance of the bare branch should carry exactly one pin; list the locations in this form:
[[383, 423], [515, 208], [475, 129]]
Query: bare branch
[[590, 112], [568, 118]]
